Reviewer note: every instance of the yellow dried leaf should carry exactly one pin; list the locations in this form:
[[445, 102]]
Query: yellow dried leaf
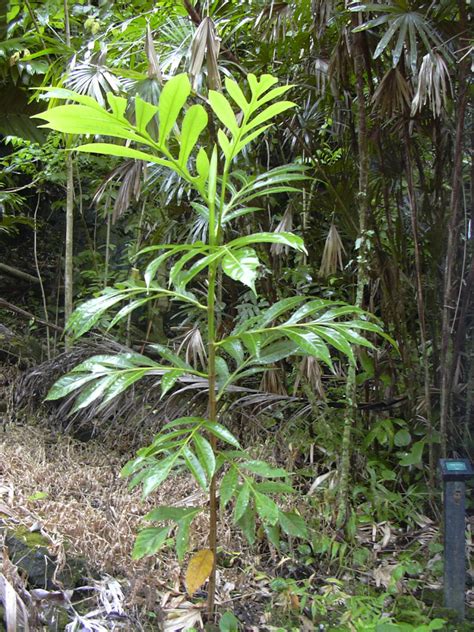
[[199, 569]]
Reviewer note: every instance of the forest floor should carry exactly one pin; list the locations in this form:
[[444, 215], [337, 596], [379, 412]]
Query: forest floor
[[69, 494]]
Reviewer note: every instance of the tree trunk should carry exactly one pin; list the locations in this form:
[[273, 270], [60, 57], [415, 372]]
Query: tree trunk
[[363, 205]]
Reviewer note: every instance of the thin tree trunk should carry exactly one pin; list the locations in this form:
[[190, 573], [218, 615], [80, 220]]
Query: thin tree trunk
[[363, 204], [447, 357], [69, 250], [420, 304]]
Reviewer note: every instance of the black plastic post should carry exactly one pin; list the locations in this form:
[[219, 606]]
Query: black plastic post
[[454, 546], [455, 473]]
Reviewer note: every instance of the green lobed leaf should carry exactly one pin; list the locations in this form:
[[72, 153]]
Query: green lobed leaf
[[144, 112], [222, 109], [236, 93]]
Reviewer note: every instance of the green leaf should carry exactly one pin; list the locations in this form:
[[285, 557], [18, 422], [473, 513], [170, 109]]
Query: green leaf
[[236, 93], [242, 501], [144, 112], [402, 438], [202, 164], [172, 99], [182, 536], [192, 422], [195, 120], [224, 144], [283, 238], [83, 119], [234, 348], [205, 454], [414, 456], [264, 469], [310, 343], [171, 357], [149, 541], [92, 392], [277, 351], [109, 149], [273, 534], [172, 513], [157, 474], [128, 309], [120, 383], [229, 623], [241, 265], [269, 113], [118, 106], [267, 509], [89, 313], [293, 524], [247, 523], [221, 433], [222, 109], [228, 486], [169, 379], [67, 384], [195, 467]]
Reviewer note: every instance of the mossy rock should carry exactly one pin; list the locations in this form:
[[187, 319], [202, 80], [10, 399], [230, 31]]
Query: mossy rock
[[29, 552]]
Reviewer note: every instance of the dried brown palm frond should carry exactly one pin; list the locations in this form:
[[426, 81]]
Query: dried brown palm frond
[[393, 95], [154, 70], [285, 225], [205, 44], [310, 373], [195, 349], [434, 84], [274, 20], [130, 174], [272, 382], [332, 253]]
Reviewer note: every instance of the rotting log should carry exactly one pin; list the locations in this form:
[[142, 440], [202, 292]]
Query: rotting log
[[19, 274]]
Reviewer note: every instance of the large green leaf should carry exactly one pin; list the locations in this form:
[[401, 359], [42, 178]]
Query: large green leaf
[[241, 264], [195, 120], [283, 238], [83, 119], [172, 99]]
